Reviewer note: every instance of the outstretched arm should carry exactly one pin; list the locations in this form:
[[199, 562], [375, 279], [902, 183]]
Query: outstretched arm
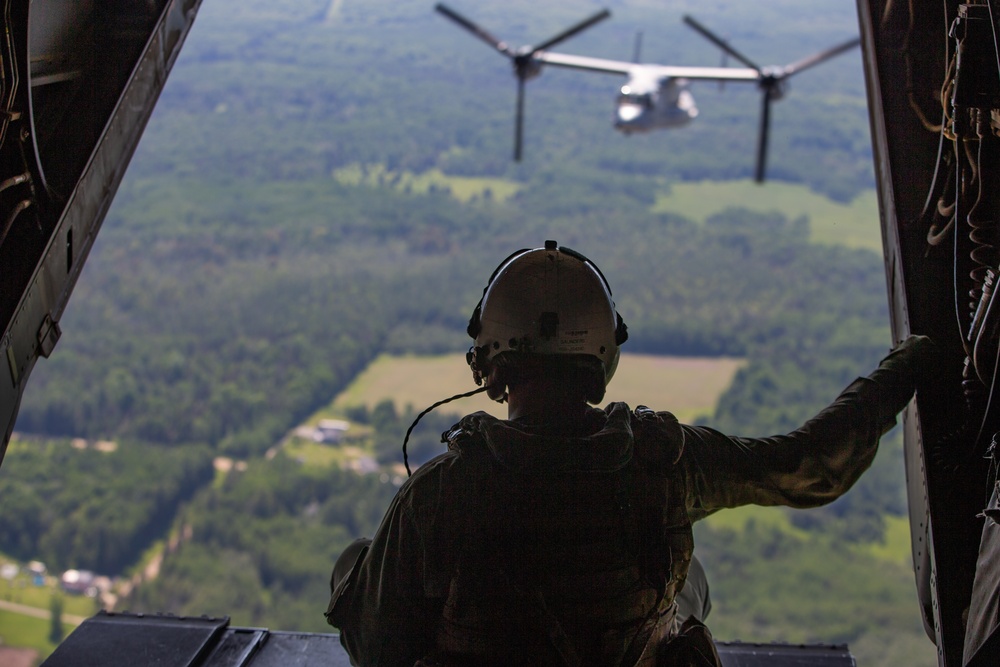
[[816, 463]]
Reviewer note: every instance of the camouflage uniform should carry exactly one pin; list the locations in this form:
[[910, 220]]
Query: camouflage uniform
[[557, 544]]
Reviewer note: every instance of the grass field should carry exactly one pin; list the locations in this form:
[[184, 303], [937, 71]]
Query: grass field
[[22, 631], [319, 455], [895, 549], [855, 225], [462, 188], [770, 517], [688, 387], [21, 591]]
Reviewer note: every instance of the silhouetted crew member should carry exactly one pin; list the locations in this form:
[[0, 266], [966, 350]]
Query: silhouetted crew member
[[562, 535]]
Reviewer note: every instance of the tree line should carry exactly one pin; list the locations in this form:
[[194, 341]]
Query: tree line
[[92, 509]]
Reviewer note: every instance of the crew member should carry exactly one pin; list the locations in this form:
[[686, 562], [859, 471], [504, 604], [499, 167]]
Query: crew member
[[562, 535]]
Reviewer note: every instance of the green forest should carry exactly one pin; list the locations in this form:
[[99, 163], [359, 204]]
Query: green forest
[[238, 285]]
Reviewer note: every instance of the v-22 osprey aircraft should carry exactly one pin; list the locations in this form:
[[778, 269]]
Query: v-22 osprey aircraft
[[655, 96]]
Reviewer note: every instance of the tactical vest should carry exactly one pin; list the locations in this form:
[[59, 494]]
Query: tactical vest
[[574, 566]]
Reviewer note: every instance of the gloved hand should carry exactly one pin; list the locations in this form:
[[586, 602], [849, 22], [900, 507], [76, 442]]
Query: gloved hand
[[911, 360], [908, 366]]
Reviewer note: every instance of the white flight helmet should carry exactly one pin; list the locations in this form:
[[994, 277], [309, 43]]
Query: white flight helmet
[[546, 301]]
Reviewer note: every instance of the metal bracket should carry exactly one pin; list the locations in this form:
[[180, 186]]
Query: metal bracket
[[11, 360], [48, 336]]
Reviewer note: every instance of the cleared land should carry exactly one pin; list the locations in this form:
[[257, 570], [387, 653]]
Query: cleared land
[[22, 591], [854, 224], [687, 386], [22, 631], [462, 188]]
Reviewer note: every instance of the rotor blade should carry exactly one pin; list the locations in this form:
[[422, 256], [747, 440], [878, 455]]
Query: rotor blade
[[765, 122], [569, 32], [820, 57], [473, 28], [637, 53], [719, 42], [519, 120]]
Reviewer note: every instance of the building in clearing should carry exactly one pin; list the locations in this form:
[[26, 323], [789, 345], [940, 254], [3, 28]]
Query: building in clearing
[[330, 430]]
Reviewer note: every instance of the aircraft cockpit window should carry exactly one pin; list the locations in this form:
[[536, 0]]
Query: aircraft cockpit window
[[639, 99]]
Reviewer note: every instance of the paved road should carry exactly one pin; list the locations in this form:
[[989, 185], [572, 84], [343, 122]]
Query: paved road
[[72, 619]]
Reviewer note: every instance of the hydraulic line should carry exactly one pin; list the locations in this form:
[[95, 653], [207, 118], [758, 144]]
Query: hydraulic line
[[982, 225]]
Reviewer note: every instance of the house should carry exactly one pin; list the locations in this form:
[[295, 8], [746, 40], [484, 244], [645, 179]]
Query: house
[[78, 582], [330, 430]]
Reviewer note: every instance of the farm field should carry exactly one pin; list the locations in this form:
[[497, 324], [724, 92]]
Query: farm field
[[687, 386], [893, 549], [853, 224], [25, 609], [21, 631], [462, 188], [21, 592]]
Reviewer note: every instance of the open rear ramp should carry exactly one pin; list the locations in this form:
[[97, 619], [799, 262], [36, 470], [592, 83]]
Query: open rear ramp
[[123, 640], [78, 81]]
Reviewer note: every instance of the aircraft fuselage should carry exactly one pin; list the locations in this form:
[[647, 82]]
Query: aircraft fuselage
[[643, 109]]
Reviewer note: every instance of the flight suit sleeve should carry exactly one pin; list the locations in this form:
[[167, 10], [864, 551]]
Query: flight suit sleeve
[[812, 465], [396, 599]]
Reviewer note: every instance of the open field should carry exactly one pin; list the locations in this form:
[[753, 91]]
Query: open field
[[21, 591], [895, 549], [769, 517], [463, 188], [21, 631], [687, 386], [855, 225], [25, 612]]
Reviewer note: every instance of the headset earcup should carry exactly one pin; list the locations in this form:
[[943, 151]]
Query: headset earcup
[[475, 325], [621, 330]]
